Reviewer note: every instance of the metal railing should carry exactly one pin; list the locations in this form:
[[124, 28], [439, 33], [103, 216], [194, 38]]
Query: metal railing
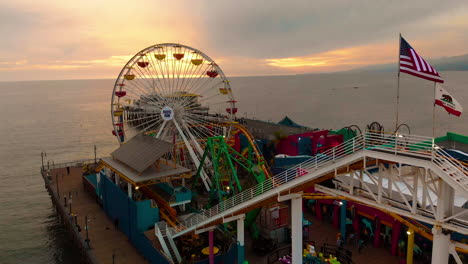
[[74, 163], [418, 146], [319, 161], [397, 144]]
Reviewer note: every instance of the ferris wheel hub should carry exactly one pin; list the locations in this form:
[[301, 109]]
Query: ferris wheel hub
[[167, 113]]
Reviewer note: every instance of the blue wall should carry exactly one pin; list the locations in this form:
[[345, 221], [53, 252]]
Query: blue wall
[[181, 193], [290, 161], [305, 146], [135, 217], [147, 215], [92, 178], [126, 213]]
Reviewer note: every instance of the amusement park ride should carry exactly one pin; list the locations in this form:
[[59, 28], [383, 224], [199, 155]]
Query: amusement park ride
[[179, 100]]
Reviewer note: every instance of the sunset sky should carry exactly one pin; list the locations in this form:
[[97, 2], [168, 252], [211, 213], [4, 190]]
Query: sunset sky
[[88, 39]]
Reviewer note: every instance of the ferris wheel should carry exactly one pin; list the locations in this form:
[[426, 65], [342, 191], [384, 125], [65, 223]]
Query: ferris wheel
[[175, 93]]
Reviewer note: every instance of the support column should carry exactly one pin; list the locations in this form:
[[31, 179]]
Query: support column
[[440, 246], [356, 226], [378, 230], [296, 230], [396, 229], [183, 185], [129, 187], [98, 185], [343, 220], [445, 201], [336, 216], [211, 245], [240, 241], [410, 248]]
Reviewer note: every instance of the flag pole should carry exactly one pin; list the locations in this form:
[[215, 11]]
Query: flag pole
[[434, 112], [398, 87]]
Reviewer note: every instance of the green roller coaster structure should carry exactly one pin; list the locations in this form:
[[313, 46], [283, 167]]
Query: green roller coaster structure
[[225, 182]]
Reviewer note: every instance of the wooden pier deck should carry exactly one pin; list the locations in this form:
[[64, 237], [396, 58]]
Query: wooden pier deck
[[108, 245]]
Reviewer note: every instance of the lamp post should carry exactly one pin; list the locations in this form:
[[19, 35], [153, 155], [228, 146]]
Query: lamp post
[[57, 184], [114, 255], [87, 235], [70, 202], [42, 158], [48, 164]]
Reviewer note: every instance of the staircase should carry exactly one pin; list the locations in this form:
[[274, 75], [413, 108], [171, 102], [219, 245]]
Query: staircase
[[451, 167], [448, 168], [167, 242]]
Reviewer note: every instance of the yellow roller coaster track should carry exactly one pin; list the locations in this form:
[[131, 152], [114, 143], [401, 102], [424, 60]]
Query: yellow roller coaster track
[[418, 228]]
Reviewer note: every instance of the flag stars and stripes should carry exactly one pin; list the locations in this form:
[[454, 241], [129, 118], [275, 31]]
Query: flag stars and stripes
[[412, 63]]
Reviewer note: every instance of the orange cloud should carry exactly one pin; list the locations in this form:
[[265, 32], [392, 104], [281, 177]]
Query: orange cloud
[[113, 61], [339, 59]]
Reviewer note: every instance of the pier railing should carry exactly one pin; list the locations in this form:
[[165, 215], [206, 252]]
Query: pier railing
[[75, 163]]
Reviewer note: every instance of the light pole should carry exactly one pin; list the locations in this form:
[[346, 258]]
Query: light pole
[[42, 158], [70, 202], [87, 235], [113, 255], [95, 158], [48, 164], [56, 182]]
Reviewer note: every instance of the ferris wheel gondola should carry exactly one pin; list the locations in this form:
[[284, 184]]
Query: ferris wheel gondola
[[175, 93]]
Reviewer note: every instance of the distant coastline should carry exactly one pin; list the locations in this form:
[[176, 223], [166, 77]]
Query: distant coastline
[[455, 63]]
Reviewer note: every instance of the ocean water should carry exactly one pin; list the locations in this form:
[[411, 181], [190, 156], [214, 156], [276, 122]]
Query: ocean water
[[66, 119]]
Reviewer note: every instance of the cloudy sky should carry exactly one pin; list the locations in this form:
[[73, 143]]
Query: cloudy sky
[[56, 39]]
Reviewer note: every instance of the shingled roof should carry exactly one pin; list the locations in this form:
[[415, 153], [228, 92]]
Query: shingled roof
[[141, 151]]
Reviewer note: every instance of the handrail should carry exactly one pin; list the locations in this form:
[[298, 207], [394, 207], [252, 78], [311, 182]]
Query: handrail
[[319, 161], [69, 163], [439, 152], [397, 144]]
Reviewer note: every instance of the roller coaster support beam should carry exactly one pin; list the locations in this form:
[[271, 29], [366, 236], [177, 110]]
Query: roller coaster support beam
[[296, 225], [440, 245], [410, 248], [240, 240], [240, 235]]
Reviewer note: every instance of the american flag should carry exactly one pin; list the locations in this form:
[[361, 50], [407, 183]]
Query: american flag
[[412, 63]]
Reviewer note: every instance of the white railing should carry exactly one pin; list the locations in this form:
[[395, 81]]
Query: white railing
[[441, 155], [397, 144], [319, 161], [410, 145], [418, 146]]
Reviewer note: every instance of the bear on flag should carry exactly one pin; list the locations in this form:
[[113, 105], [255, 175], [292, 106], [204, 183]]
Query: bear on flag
[[444, 99]]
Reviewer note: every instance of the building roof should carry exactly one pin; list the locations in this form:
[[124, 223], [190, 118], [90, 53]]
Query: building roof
[[141, 151], [162, 174], [286, 121]]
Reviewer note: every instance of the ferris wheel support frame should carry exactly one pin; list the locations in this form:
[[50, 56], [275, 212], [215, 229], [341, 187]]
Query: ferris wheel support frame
[[198, 147], [194, 157], [161, 129]]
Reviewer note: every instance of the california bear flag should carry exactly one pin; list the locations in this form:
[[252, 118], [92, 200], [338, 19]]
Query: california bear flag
[[444, 99]]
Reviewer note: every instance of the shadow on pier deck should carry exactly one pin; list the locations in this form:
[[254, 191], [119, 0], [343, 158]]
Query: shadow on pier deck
[[108, 244]]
